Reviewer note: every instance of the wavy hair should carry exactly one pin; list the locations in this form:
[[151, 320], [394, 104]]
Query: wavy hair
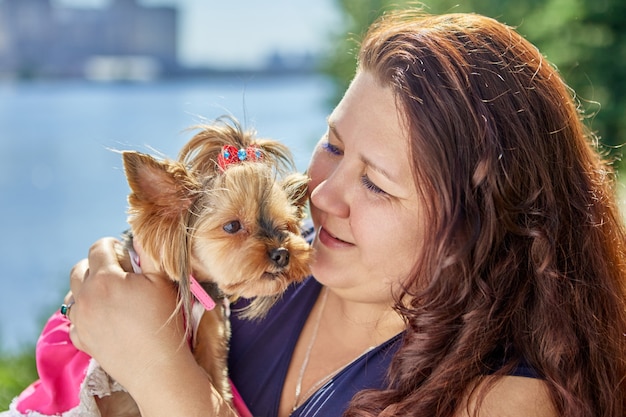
[[525, 259]]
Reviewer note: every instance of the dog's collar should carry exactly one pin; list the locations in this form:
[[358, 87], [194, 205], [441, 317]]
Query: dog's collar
[[202, 296], [196, 289]]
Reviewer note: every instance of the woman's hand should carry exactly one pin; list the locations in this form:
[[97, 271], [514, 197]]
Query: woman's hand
[[126, 322]]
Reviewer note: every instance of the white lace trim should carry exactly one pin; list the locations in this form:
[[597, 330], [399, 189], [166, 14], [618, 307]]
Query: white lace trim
[[96, 383]]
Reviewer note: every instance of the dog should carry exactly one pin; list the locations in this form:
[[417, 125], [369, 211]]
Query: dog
[[222, 221], [227, 215]]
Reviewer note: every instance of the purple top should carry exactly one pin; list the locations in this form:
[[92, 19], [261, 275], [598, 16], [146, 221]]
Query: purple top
[[261, 351]]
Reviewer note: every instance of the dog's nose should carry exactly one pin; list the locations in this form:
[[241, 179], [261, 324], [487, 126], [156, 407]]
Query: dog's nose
[[280, 257]]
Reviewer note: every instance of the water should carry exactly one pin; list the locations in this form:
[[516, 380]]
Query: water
[[61, 186]]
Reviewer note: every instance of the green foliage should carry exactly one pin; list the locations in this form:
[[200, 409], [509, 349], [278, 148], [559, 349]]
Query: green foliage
[[357, 15], [17, 371], [585, 39]]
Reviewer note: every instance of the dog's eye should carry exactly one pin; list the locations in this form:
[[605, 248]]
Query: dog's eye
[[232, 227]]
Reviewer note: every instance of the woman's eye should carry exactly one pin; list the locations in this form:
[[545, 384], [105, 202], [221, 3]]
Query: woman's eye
[[232, 227], [369, 185], [332, 149]]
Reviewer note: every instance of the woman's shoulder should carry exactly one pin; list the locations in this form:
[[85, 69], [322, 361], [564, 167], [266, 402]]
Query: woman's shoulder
[[511, 396]]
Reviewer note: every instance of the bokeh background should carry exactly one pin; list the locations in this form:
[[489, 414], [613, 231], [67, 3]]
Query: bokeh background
[[81, 78]]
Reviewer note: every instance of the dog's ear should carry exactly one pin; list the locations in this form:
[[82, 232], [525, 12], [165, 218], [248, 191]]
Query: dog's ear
[[162, 187], [296, 186]]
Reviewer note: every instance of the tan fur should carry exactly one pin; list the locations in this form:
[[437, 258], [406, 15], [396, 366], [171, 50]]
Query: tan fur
[[178, 211], [211, 349]]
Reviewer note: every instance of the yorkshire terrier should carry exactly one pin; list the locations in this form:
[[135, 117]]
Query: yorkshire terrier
[[220, 215], [225, 217]]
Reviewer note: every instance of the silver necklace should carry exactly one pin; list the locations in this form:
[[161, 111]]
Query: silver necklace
[[305, 362], [298, 398]]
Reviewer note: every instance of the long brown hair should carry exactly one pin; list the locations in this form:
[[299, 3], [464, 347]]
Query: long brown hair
[[525, 259]]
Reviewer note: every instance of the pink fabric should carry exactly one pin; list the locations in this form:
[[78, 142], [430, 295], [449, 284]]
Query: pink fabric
[[240, 406], [61, 367]]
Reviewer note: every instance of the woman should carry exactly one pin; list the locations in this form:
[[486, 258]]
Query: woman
[[469, 253]]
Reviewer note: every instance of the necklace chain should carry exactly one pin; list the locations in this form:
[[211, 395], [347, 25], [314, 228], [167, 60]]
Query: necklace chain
[[299, 399], [305, 362]]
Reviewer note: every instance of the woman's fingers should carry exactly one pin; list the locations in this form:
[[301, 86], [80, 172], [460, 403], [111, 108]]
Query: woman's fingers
[[103, 256], [77, 276], [124, 320], [101, 265]]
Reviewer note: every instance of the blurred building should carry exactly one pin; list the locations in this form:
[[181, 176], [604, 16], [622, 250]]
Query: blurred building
[[123, 40]]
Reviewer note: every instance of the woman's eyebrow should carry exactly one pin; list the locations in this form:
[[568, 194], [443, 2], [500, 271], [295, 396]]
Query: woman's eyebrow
[[333, 129], [379, 169], [367, 161]]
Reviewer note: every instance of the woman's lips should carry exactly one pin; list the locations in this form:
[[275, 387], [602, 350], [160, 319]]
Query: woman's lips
[[329, 240]]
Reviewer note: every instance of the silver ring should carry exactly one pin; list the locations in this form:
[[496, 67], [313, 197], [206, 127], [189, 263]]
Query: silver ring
[[65, 308]]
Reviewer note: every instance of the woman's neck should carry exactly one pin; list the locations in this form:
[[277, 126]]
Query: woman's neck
[[375, 322]]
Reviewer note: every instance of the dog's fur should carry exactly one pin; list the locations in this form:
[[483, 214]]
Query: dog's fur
[[235, 229]]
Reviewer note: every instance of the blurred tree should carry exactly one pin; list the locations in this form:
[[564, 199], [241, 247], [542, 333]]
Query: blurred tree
[[341, 61], [585, 39], [17, 371]]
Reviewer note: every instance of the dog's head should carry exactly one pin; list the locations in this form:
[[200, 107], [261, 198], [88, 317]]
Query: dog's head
[[231, 221], [246, 236]]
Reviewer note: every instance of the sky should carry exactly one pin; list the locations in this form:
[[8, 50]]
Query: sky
[[243, 32]]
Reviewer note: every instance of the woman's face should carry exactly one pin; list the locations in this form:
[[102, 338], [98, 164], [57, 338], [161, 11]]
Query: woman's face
[[363, 197]]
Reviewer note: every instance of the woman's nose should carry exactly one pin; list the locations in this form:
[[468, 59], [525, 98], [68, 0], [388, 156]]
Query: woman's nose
[[331, 195]]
